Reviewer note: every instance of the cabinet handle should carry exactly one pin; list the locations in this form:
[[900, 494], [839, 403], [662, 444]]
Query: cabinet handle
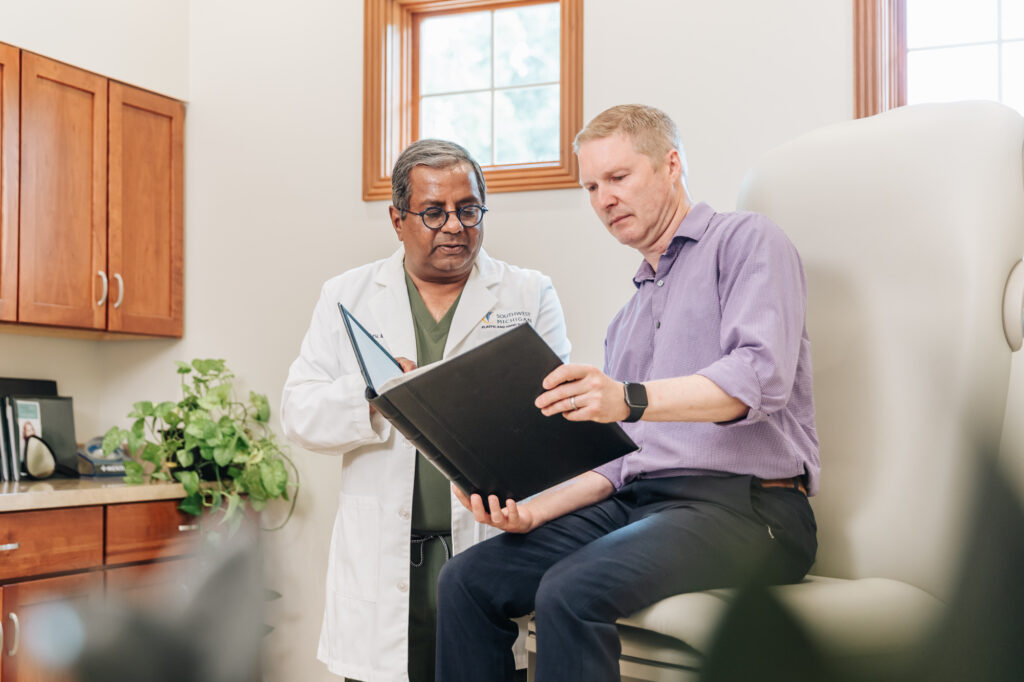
[[187, 527], [120, 290], [17, 633], [9, 547], [106, 288]]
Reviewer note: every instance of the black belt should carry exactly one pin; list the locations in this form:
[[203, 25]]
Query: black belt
[[420, 538]]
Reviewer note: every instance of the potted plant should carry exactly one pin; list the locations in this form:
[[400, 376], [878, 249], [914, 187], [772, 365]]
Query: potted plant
[[220, 449]]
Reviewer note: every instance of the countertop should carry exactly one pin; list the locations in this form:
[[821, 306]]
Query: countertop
[[79, 492]]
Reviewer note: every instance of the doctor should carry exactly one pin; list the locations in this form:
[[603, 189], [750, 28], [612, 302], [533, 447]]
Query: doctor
[[397, 523]]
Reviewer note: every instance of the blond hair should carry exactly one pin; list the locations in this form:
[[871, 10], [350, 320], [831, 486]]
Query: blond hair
[[651, 130]]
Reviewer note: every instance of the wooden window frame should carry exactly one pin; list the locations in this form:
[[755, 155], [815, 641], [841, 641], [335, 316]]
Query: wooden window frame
[[389, 113], [879, 56]]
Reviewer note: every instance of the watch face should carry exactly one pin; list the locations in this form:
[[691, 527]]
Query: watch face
[[636, 395]]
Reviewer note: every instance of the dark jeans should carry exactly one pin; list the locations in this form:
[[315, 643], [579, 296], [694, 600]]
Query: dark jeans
[[651, 539]]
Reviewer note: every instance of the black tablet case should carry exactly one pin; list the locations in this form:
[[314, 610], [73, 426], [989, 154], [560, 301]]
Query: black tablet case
[[473, 416]]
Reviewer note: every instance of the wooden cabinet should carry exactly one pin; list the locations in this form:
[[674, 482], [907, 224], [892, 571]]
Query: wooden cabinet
[[79, 553], [97, 169], [22, 604], [10, 66], [63, 228], [145, 222]]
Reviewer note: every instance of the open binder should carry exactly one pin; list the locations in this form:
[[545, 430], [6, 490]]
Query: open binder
[[473, 415]]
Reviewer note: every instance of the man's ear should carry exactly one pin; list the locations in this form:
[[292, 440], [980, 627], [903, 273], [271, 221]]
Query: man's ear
[[396, 221], [674, 163]]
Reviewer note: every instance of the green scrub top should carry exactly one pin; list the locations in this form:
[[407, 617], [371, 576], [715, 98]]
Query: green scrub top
[[431, 497]]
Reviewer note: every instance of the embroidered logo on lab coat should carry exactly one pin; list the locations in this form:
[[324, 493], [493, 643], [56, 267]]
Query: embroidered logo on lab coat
[[505, 320]]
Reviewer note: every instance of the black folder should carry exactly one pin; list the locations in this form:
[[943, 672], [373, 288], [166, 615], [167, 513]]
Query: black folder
[[58, 430], [473, 415], [10, 467]]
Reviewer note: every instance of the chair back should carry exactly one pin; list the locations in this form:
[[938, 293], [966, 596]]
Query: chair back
[[908, 224]]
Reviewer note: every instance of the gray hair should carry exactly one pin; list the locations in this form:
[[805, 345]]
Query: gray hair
[[432, 154]]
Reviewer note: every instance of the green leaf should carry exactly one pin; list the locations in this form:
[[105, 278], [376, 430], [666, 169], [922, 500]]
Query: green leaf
[[274, 477], [161, 476], [193, 504], [165, 411], [208, 366], [113, 439], [190, 480], [223, 455], [143, 408], [233, 500], [184, 458], [251, 483], [257, 504], [262, 406], [152, 453], [184, 367], [132, 472]]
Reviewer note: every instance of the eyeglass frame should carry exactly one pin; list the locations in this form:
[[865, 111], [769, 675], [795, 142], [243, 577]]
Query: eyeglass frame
[[447, 214]]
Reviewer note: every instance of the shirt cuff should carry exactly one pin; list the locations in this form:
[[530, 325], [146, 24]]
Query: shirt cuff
[[738, 379], [612, 471]]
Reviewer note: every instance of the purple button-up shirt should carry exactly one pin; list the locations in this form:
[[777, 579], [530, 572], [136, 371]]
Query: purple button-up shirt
[[728, 302]]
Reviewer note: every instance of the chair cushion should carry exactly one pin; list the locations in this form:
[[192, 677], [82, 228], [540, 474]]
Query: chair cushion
[[870, 618]]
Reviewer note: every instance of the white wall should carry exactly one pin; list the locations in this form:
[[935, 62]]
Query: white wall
[[273, 208], [141, 42]]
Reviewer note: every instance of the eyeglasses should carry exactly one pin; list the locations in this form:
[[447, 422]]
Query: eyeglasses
[[435, 218]]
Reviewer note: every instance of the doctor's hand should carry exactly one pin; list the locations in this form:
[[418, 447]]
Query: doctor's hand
[[582, 393], [407, 365], [513, 518]]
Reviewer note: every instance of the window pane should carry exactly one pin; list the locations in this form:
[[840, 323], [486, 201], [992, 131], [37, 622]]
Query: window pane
[[455, 52], [932, 23], [526, 45], [526, 122], [1013, 75], [952, 73], [1013, 19], [465, 119]]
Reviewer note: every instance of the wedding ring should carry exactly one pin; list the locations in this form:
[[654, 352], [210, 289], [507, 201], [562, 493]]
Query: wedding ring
[[572, 401]]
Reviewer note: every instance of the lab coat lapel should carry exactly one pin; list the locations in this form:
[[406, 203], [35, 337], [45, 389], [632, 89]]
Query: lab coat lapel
[[390, 307], [478, 299]]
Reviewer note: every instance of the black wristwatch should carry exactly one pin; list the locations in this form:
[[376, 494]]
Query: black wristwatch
[[636, 400]]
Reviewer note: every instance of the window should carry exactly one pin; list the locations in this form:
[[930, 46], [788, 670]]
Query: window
[[912, 51], [503, 78]]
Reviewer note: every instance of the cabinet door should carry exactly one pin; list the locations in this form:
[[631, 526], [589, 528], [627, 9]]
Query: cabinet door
[[9, 70], [21, 603], [63, 235], [145, 220]]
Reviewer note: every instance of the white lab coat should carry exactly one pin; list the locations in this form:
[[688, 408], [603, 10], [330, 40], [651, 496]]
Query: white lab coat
[[364, 633]]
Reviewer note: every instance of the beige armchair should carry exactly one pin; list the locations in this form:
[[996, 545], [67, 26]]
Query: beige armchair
[[909, 225]]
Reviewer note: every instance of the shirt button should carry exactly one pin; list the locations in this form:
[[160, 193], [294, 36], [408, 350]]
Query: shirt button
[[640, 448], [661, 282], [404, 514], [657, 325], [403, 586]]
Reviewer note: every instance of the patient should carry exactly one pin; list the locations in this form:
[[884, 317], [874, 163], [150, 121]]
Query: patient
[[708, 366]]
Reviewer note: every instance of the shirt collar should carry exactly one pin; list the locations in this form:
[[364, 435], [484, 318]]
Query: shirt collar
[[693, 226]]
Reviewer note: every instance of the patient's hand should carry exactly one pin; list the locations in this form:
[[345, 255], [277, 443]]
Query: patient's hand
[[513, 518]]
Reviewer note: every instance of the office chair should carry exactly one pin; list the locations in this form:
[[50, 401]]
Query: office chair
[[910, 225]]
